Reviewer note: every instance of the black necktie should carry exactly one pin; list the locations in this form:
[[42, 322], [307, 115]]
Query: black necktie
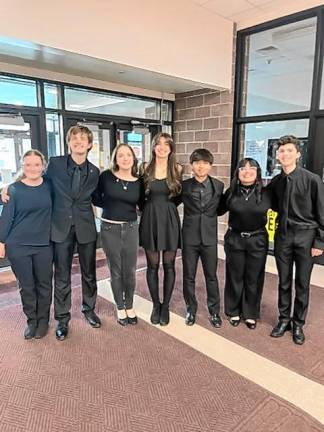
[[76, 181], [285, 209]]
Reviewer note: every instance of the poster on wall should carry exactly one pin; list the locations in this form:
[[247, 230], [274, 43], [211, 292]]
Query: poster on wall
[[273, 167], [264, 152]]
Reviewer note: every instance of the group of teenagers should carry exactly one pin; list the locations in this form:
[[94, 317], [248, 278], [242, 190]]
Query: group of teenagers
[[49, 213]]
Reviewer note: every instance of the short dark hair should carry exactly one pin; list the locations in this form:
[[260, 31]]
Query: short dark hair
[[289, 139], [201, 154]]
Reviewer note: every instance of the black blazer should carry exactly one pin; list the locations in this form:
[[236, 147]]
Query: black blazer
[[65, 208], [200, 226]]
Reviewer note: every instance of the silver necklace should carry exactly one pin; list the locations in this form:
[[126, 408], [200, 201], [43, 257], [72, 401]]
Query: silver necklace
[[247, 193], [124, 184]]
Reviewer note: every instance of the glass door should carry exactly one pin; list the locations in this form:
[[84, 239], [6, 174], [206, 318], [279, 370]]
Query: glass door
[[139, 138], [18, 133], [103, 140]]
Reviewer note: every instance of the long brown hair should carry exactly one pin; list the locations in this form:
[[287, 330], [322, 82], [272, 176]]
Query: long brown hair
[[113, 163], [173, 179]]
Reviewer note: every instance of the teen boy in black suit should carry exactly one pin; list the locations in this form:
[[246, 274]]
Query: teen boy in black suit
[[298, 197], [201, 197], [74, 179]]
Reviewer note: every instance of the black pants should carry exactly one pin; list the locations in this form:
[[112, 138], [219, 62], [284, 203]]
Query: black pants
[[63, 255], [33, 268], [245, 269], [208, 256], [120, 243], [294, 248]]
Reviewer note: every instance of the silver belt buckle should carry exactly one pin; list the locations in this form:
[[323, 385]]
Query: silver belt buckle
[[245, 234]]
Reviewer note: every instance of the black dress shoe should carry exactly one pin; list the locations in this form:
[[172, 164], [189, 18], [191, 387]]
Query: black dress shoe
[[41, 331], [132, 320], [30, 331], [190, 319], [298, 334], [92, 319], [234, 322], [251, 325], [280, 329], [164, 316], [122, 321], [155, 315], [61, 332], [215, 320]]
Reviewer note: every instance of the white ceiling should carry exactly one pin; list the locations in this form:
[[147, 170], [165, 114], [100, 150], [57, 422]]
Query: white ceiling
[[37, 56], [28, 54]]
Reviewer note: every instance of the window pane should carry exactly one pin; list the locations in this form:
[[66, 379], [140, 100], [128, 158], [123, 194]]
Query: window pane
[[167, 111], [17, 91], [51, 93], [279, 69], [103, 103], [54, 142], [322, 91], [258, 140], [14, 142]]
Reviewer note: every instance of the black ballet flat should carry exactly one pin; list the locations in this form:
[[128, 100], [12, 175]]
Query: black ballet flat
[[234, 322], [122, 321], [132, 320], [251, 325]]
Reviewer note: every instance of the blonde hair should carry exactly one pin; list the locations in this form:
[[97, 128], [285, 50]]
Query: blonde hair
[[31, 152]]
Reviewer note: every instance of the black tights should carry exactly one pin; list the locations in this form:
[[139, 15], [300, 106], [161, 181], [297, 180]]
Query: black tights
[[152, 275]]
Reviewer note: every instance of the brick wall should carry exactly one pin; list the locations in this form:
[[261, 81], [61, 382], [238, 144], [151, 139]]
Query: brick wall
[[203, 119]]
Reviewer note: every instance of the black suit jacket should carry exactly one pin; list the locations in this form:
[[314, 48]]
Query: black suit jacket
[[65, 208], [200, 226]]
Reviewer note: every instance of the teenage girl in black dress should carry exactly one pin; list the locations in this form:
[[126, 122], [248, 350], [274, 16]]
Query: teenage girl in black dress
[[160, 232]]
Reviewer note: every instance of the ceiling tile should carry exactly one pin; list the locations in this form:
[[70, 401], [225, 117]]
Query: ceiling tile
[[228, 7], [259, 2]]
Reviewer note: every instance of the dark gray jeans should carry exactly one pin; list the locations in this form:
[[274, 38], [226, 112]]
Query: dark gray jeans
[[120, 243]]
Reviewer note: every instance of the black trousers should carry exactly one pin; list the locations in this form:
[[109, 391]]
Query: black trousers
[[33, 268], [294, 248], [120, 243], [208, 256], [63, 255], [245, 270]]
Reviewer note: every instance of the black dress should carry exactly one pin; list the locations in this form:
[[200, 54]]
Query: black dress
[[160, 223]]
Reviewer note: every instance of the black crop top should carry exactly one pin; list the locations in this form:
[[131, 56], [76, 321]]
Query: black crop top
[[118, 198]]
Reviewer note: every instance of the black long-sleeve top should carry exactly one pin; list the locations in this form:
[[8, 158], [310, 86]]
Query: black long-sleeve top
[[306, 201], [26, 218], [245, 213], [118, 198]]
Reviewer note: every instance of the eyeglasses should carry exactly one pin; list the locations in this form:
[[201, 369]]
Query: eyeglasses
[[248, 168]]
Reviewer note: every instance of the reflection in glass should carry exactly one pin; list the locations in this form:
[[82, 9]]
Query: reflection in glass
[[322, 91], [138, 140], [51, 94], [18, 91], [53, 133], [279, 69], [14, 142], [258, 141], [104, 103]]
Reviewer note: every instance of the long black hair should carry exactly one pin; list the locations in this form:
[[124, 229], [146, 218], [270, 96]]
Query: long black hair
[[235, 186]]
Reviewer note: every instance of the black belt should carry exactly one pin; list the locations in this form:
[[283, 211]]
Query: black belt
[[248, 234]]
